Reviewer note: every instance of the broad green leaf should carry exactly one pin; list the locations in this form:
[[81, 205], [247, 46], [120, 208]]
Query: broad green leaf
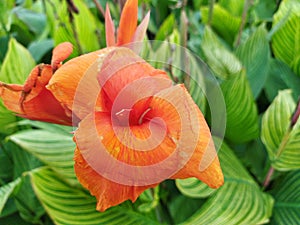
[[6, 165], [67, 205], [5, 12], [6, 191], [263, 10], [55, 149], [166, 28], [241, 110], [16, 67], [14, 219], [224, 23], [238, 201], [255, 56], [286, 41], [234, 7], [26, 202], [194, 188], [181, 208], [282, 141], [36, 22], [39, 48], [85, 26], [281, 77], [287, 199], [222, 61]]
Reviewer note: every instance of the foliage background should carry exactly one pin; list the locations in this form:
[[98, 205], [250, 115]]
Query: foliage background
[[251, 46]]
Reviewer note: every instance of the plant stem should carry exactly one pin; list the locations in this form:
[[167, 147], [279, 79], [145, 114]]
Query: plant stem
[[210, 12], [268, 177], [247, 5], [99, 7]]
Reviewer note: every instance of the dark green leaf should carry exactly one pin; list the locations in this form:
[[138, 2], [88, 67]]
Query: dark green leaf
[[36, 22], [6, 191], [287, 200], [39, 48], [255, 56]]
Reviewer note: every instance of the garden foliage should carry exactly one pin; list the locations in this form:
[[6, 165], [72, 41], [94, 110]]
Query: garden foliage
[[252, 48]]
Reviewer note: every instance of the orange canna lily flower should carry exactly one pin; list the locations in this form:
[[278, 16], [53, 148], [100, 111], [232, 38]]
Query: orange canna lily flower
[[32, 100], [141, 131]]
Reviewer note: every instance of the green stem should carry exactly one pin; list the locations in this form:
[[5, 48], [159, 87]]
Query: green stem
[[210, 12], [247, 5]]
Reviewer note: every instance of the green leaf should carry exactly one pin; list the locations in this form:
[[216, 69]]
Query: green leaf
[[222, 61], [6, 191], [5, 12], [85, 26], [67, 205], [166, 28], [26, 202], [15, 69], [281, 77], [241, 110], [224, 23], [238, 201], [39, 48], [55, 149], [287, 199], [194, 188], [233, 6], [286, 41], [255, 56], [181, 208], [36, 22], [282, 141]]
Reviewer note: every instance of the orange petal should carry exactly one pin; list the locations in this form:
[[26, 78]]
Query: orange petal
[[60, 53], [108, 193], [128, 22], [109, 28], [66, 79], [37, 103], [11, 98], [40, 104]]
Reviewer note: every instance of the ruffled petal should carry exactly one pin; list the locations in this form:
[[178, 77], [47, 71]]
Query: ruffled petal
[[33, 101], [108, 193], [74, 77], [120, 68]]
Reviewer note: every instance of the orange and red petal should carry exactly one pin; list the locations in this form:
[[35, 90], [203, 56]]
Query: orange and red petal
[[128, 22], [121, 68], [107, 193]]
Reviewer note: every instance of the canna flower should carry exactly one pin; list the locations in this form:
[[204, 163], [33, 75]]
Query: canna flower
[[32, 100], [141, 131]]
